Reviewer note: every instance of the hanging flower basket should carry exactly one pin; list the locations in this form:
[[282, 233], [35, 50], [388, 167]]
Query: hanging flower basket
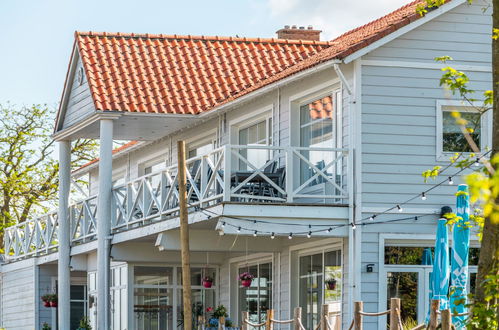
[[207, 282], [246, 279], [331, 284], [49, 300]]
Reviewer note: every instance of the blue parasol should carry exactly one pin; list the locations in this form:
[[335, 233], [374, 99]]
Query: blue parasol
[[441, 267], [459, 258]]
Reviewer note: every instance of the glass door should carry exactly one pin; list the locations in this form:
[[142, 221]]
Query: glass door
[[408, 284]]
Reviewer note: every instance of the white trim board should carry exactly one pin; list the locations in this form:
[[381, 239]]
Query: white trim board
[[426, 65]]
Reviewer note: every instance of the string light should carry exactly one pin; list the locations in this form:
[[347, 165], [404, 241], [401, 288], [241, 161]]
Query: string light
[[238, 229], [309, 234], [477, 162], [372, 217], [255, 233], [223, 224], [451, 182], [399, 208], [290, 236], [354, 226], [329, 230], [416, 218], [423, 196], [272, 236]]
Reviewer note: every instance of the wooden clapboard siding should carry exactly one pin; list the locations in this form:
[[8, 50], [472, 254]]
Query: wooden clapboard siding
[[399, 125], [80, 102], [19, 299]]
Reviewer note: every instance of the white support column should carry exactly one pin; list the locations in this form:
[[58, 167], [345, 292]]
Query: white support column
[[104, 222], [63, 270]]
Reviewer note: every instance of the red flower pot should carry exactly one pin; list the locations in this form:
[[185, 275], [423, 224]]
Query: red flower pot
[[46, 304], [331, 285], [246, 283], [207, 284], [53, 304]]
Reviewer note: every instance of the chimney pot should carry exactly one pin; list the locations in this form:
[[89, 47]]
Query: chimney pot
[[301, 33]]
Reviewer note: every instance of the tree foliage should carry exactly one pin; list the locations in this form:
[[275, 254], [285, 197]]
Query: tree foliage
[[28, 165]]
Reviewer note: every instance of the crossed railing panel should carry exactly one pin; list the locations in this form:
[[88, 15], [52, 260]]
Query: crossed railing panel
[[31, 237], [254, 173]]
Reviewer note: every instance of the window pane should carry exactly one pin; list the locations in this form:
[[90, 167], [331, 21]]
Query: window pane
[[404, 255], [153, 275], [257, 299], [77, 292], [76, 314], [153, 308], [332, 277], [253, 135], [404, 285], [453, 140]]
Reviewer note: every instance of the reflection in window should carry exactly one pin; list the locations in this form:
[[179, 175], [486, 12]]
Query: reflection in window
[[257, 299], [256, 134], [404, 285], [408, 255], [316, 131], [453, 139], [318, 272]]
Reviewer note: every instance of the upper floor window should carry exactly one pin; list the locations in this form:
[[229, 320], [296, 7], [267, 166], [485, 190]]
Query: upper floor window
[[201, 147], [450, 137], [259, 133]]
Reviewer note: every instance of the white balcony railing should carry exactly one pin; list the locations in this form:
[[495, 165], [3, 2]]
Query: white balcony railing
[[247, 174]]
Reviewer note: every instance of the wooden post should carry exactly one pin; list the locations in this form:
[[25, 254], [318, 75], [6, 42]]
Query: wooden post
[[184, 236], [200, 322], [268, 322], [394, 314], [324, 317], [358, 305], [297, 317], [446, 319], [244, 316], [221, 323], [435, 305]]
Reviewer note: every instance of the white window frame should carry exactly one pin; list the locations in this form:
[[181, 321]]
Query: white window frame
[[461, 106], [210, 137], [254, 117]]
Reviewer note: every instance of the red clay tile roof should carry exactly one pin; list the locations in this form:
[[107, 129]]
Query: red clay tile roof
[[180, 74]]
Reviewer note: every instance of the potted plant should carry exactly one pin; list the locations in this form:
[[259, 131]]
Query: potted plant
[[207, 281], [246, 278], [84, 324], [53, 300], [331, 284], [46, 326], [46, 299]]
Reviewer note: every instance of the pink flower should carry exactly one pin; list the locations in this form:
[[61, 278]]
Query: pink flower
[[209, 309]]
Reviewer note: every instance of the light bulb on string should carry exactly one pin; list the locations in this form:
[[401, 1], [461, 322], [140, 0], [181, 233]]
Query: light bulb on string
[[423, 196], [451, 182], [238, 229], [309, 234], [255, 233], [290, 236], [329, 230], [399, 208], [354, 226], [272, 236], [223, 224], [477, 162], [372, 217]]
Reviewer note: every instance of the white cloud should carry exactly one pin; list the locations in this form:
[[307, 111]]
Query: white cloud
[[333, 17]]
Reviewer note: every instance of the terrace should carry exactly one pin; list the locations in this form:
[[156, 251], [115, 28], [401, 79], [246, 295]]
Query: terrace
[[239, 174]]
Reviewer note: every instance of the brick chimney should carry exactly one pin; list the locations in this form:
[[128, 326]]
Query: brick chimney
[[292, 32]]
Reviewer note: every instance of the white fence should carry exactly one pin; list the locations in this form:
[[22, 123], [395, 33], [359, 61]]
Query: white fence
[[248, 174]]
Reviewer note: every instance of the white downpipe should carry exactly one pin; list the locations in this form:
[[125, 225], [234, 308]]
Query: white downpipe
[[104, 222], [63, 265]]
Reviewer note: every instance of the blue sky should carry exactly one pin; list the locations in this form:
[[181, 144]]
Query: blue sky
[[37, 35]]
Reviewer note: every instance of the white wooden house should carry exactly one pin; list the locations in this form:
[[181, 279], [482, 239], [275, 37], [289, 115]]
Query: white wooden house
[[290, 143]]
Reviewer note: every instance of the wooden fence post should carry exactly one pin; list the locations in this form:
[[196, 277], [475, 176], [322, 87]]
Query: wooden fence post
[[435, 305], [324, 317], [358, 305], [244, 316], [297, 317], [268, 322], [446, 319], [395, 314], [221, 323]]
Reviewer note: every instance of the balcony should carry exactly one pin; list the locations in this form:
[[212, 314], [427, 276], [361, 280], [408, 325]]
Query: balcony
[[232, 173]]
